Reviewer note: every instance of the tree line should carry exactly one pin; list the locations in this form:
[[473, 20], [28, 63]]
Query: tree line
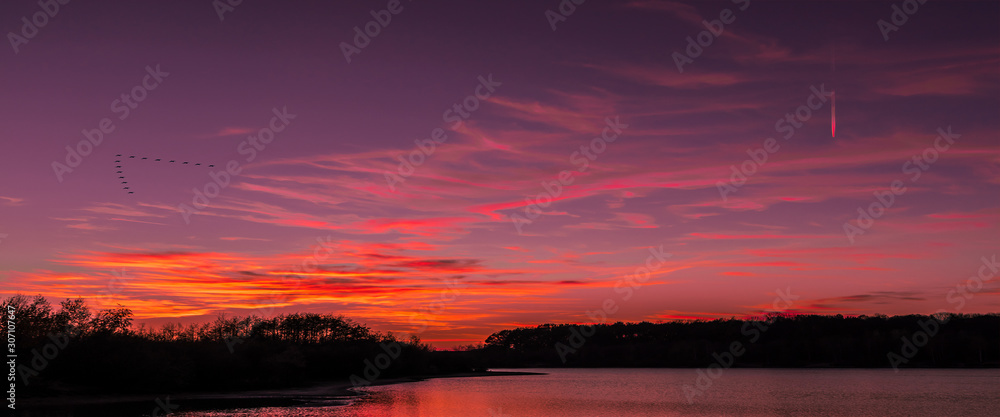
[[776, 340], [75, 350], [72, 349]]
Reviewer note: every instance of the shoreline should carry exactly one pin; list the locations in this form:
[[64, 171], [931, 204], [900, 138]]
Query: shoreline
[[328, 393], [319, 394]]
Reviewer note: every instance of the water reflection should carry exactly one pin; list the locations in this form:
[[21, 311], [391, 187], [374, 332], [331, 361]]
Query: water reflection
[[659, 392]]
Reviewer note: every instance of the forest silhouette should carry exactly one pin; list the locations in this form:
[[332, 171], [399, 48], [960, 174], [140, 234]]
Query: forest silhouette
[[75, 350]]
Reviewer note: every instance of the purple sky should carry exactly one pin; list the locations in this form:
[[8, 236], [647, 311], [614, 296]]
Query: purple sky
[[446, 250]]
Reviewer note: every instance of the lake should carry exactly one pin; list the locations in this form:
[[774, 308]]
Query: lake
[[660, 392]]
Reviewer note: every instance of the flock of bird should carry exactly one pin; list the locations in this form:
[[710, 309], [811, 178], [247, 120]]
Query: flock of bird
[[121, 172]]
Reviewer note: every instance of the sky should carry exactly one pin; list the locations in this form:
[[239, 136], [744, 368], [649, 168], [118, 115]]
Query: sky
[[476, 166]]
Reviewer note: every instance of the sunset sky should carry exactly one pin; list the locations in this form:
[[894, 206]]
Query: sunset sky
[[443, 245]]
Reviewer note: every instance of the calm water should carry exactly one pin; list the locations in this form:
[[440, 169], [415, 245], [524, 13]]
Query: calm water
[[658, 392]]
